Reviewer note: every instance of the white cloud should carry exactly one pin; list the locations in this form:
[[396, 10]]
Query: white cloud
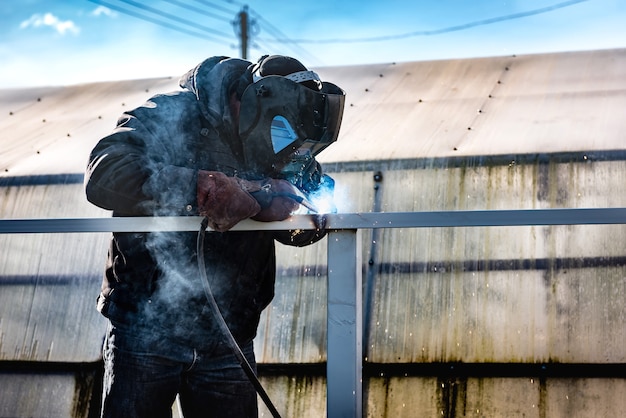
[[102, 10], [48, 19]]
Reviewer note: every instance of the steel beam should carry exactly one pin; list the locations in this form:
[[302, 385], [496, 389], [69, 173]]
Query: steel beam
[[526, 217], [344, 390]]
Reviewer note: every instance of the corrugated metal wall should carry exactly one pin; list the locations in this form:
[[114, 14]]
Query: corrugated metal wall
[[500, 321]]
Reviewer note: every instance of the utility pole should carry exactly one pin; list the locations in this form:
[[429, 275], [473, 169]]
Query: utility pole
[[243, 25]]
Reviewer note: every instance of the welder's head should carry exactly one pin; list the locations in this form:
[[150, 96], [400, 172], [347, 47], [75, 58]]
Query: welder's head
[[286, 112]]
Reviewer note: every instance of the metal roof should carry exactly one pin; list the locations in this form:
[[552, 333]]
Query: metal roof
[[485, 106]]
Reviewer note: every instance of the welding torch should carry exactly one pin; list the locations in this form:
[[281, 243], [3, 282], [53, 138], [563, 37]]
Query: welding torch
[[265, 196]]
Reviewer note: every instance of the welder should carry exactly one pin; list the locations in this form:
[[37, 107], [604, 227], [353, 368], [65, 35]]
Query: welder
[[237, 141]]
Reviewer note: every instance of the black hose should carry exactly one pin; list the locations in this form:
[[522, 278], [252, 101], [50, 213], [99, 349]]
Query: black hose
[[217, 314]]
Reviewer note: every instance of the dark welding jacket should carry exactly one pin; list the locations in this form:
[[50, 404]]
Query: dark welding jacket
[[148, 167]]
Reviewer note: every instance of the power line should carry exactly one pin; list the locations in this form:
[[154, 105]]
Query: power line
[[155, 21], [194, 9], [175, 18], [278, 36], [429, 32], [192, 28], [215, 6]]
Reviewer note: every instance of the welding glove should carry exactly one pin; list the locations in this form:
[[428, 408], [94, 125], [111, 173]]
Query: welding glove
[[225, 200], [276, 198]]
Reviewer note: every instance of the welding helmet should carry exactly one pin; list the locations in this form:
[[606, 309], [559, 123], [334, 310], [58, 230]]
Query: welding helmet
[[287, 112]]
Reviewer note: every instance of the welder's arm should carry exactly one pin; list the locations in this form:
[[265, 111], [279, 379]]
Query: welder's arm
[[227, 200], [130, 173], [278, 200]]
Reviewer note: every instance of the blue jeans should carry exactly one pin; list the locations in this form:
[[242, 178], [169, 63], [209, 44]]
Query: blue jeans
[[143, 375]]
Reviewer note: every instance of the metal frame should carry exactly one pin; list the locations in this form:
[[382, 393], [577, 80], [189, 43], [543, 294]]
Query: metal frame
[[345, 313]]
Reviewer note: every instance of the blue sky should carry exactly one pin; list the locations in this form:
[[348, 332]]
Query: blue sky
[[53, 42]]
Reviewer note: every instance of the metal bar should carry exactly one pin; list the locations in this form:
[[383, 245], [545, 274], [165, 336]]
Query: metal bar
[[344, 383], [526, 217], [138, 224]]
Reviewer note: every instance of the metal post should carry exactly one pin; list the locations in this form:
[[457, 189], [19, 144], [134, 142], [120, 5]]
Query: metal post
[[243, 26], [344, 382]]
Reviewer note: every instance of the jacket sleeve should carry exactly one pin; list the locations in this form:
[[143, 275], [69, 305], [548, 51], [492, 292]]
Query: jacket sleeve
[[137, 169]]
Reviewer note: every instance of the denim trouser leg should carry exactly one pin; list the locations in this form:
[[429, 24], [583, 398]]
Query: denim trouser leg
[[142, 377], [219, 387]]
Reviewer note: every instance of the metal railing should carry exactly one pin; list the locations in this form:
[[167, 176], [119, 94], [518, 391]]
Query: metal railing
[[345, 313]]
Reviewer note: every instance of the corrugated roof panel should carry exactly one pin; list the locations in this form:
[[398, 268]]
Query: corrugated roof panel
[[486, 106], [52, 130], [403, 110]]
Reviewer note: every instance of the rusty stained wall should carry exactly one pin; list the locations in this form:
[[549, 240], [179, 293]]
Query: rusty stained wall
[[502, 294], [482, 294], [49, 282], [48, 394], [410, 397]]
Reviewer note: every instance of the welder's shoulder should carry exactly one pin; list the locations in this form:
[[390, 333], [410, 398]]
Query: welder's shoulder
[[180, 101], [164, 109]]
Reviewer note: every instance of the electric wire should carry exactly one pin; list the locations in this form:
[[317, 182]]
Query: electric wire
[[215, 6], [429, 32], [155, 21], [278, 35], [217, 314], [175, 18], [183, 5]]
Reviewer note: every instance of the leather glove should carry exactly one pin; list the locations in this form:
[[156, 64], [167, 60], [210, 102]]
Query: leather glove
[[275, 197], [225, 200]]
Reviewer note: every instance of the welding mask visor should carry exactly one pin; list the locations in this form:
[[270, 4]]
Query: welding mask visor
[[281, 119]]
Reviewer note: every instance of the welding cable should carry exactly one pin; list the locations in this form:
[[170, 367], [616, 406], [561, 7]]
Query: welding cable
[[217, 314]]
